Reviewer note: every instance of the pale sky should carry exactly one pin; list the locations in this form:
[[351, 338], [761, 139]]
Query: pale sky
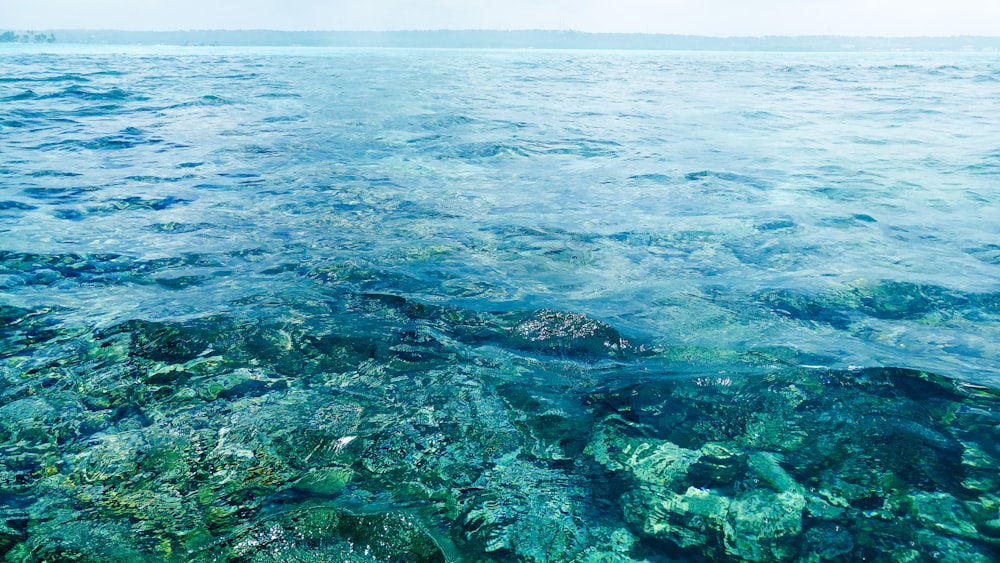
[[694, 17]]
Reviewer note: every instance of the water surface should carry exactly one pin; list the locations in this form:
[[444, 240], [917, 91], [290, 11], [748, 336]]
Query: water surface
[[258, 304]]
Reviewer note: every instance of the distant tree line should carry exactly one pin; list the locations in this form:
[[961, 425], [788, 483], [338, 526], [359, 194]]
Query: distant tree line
[[27, 37], [522, 39]]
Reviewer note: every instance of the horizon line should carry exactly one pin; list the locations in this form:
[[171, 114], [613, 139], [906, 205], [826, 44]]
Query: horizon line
[[522, 30]]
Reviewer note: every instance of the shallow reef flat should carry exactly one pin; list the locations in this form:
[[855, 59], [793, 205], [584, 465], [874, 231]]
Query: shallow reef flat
[[379, 427]]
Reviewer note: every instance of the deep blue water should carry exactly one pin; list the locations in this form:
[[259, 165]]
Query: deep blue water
[[314, 305]]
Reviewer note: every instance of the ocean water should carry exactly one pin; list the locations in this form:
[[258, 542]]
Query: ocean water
[[301, 304]]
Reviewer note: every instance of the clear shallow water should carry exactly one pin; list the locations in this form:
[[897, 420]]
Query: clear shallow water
[[504, 304]]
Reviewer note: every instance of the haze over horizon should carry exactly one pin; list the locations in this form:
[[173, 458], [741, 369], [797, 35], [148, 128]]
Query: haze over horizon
[[718, 18]]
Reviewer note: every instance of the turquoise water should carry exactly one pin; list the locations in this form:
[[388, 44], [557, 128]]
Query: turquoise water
[[299, 304]]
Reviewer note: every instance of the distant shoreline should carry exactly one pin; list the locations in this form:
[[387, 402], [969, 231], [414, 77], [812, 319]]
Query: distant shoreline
[[483, 39]]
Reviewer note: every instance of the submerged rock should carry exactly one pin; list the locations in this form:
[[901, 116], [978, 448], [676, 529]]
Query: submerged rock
[[870, 463], [886, 300], [323, 533], [688, 497], [572, 335]]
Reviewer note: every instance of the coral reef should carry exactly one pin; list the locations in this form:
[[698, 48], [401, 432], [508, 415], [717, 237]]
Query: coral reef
[[375, 426]]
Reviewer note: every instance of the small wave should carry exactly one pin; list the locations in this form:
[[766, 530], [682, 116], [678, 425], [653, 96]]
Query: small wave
[[57, 78], [98, 110], [212, 100], [125, 139], [53, 173], [108, 143], [853, 220], [69, 78], [282, 119], [437, 122], [867, 140], [79, 92], [5, 205], [135, 202], [158, 179], [110, 206], [760, 114], [106, 73], [62, 194], [983, 168], [703, 175], [178, 228], [894, 67], [203, 101], [28, 114], [25, 95], [472, 151], [778, 225], [69, 214], [180, 282], [989, 253], [258, 150], [916, 111], [727, 186], [587, 148], [241, 178], [653, 177]]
